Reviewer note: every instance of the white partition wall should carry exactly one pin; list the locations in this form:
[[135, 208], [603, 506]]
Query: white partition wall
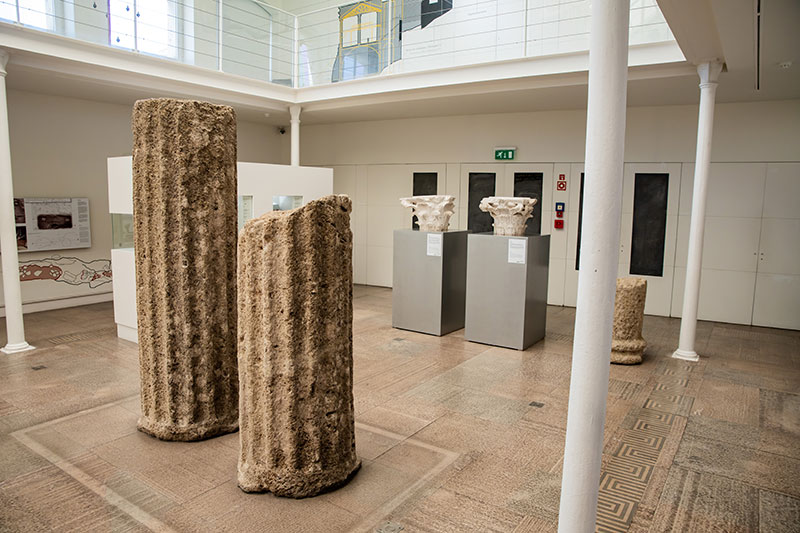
[[260, 181], [730, 246], [751, 250], [777, 296], [123, 280], [263, 182], [376, 191], [385, 185]]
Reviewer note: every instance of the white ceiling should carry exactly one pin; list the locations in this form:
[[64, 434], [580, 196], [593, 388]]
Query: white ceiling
[[708, 29]]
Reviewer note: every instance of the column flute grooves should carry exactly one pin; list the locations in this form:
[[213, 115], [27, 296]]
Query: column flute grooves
[[297, 420], [184, 185]]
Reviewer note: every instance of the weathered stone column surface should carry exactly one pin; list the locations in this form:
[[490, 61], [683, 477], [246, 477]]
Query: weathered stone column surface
[[296, 350], [627, 344], [184, 210]]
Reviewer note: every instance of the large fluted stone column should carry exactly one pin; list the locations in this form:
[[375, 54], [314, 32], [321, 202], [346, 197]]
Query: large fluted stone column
[[184, 210], [627, 344], [296, 350]]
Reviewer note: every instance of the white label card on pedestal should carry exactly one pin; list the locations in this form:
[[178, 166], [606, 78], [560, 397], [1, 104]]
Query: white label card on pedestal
[[517, 251], [435, 244]]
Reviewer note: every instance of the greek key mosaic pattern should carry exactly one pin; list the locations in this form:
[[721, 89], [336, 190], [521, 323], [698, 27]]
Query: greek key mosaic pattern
[[626, 475]]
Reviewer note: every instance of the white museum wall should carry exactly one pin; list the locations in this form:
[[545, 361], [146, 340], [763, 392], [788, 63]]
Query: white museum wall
[[374, 163], [59, 148]]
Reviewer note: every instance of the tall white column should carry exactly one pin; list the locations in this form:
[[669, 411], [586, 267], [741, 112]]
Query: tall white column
[[708, 73], [605, 144], [294, 111], [8, 233]]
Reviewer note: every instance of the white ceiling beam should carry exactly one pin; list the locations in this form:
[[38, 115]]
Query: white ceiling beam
[[693, 24]]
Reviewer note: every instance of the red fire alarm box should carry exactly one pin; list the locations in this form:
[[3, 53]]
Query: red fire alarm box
[[558, 224]]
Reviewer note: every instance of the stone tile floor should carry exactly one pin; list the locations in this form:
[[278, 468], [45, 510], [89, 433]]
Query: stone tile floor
[[454, 436]]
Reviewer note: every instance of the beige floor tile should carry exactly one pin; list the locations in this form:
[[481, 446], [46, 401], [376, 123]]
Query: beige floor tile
[[397, 422], [370, 444], [376, 484], [780, 411], [449, 512], [454, 436], [98, 427], [754, 467], [727, 401], [778, 513], [702, 502]]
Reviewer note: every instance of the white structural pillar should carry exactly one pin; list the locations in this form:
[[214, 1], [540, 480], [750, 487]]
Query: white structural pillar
[[691, 292], [8, 233], [591, 352], [294, 111]]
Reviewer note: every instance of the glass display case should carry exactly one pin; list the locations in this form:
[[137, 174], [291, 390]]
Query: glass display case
[[121, 231], [244, 210], [285, 203]]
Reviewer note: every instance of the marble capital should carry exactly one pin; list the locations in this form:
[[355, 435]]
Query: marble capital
[[433, 211], [510, 214]]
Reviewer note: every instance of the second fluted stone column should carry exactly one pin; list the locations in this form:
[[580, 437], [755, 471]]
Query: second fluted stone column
[[184, 209], [297, 428]]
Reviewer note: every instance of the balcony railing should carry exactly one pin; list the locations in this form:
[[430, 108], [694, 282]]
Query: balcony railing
[[353, 40]]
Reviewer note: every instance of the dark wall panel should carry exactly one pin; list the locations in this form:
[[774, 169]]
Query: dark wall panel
[[649, 224], [481, 185], [425, 183], [580, 227], [529, 185]]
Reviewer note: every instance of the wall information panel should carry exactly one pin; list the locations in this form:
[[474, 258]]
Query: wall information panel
[[52, 224]]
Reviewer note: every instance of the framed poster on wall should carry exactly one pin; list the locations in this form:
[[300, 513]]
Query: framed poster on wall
[[52, 224]]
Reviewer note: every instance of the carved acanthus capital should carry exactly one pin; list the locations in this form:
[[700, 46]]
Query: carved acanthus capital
[[510, 214], [433, 212]]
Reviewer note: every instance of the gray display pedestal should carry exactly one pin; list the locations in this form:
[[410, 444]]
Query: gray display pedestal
[[429, 285], [507, 289]]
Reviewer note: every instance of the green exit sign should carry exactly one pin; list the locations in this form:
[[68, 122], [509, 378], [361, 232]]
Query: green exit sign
[[504, 154]]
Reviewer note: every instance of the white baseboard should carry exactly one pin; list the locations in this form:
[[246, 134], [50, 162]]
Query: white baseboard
[[63, 303], [128, 333]]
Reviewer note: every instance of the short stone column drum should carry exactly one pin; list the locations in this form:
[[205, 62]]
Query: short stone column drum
[[627, 344], [184, 211], [297, 425]]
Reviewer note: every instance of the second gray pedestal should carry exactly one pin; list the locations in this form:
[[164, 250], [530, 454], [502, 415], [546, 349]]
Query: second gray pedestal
[[429, 281], [507, 289]]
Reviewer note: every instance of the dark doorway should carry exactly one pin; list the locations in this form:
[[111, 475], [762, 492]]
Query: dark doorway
[[425, 183], [649, 224], [481, 185], [529, 185]]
